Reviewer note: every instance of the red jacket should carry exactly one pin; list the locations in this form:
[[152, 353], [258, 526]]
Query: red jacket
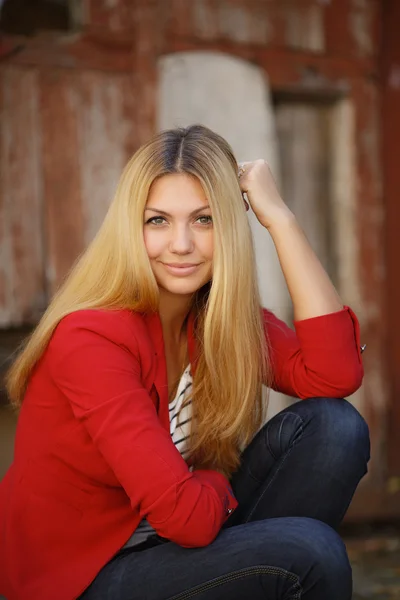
[[93, 452]]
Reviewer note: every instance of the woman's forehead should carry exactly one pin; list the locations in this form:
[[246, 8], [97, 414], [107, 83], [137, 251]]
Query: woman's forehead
[[176, 189]]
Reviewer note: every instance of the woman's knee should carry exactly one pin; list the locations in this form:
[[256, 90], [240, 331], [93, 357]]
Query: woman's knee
[[324, 558], [309, 550], [319, 559], [332, 425], [293, 555], [341, 430]]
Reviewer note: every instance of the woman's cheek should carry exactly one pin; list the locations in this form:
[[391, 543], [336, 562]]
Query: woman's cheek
[[206, 245], [153, 244]]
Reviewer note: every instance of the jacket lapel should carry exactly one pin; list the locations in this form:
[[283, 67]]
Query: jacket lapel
[[154, 327]]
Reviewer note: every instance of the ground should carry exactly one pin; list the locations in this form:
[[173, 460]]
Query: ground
[[375, 559]]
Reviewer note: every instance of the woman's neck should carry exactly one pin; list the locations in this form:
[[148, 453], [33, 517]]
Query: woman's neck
[[173, 311]]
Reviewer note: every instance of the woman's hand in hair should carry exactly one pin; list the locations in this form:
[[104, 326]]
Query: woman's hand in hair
[[257, 182]]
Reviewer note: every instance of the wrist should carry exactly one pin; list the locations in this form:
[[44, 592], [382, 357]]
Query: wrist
[[280, 219]]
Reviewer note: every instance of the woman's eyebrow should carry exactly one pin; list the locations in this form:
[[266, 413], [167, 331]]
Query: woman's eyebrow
[[163, 212]]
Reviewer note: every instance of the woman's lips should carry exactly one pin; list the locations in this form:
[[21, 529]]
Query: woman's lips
[[181, 271]]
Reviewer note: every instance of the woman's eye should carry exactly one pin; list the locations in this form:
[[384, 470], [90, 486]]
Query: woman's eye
[[156, 220], [207, 219]]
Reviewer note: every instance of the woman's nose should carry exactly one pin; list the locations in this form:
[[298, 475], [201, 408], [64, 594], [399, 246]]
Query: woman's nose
[[181, 240]]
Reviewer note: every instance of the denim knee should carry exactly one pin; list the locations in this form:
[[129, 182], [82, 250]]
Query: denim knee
[[331, 418], [310, 551], [337, 428], [342, 430], [323, 556]]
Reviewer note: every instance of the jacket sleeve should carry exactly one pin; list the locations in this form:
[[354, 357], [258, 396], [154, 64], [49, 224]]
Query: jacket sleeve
[[322, 357], [95, 368]]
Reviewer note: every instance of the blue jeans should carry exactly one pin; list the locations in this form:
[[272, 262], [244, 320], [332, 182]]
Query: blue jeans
[[294, 485]]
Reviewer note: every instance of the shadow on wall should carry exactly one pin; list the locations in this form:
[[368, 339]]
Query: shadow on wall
[[8, 421]]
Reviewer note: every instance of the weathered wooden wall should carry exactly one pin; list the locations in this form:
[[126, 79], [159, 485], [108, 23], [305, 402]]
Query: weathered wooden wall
[[73, 108], [66, 135]]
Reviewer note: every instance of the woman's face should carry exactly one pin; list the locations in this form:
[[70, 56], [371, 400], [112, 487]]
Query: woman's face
[[178, 234]]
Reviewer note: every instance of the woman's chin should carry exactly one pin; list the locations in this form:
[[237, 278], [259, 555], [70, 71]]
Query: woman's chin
[[181, 286]]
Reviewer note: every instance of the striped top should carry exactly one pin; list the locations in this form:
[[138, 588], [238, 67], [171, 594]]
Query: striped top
[[179, 419]]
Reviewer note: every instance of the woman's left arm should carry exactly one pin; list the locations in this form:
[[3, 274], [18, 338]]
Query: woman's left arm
[[322, 357], [310, 288]]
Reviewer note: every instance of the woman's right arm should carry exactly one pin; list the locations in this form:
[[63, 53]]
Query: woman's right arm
[[93, 362]]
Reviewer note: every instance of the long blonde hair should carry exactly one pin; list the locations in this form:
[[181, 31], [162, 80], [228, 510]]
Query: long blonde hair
[[115, 273]]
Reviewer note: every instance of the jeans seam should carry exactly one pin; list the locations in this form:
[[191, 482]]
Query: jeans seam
[[288, 452], [286, 416], [235, 575], [269, 445]]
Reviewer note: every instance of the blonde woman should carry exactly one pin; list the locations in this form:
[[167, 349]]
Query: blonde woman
[[141, 386]]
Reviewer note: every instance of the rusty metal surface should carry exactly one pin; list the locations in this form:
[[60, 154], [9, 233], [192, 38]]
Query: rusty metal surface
[[65, 137], [21, 223], [64, 227], [87, 139]]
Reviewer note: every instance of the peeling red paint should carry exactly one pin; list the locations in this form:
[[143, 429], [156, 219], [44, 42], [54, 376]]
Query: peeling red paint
[[20, 235]]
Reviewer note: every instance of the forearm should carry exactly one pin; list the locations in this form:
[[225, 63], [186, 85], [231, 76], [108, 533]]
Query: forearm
[[310, 288]]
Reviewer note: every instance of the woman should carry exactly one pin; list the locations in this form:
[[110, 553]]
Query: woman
[[141, 386]]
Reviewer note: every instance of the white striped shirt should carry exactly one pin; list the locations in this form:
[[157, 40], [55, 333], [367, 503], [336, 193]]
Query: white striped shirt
[[179, 419]]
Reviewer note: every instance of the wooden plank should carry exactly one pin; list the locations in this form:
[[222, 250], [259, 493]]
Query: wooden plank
[[106, 134], [148, 26], [372, 271], [64, 224], [113, 17], [391, 136], [353, 28], [285, 67], [89, 50], [21, 268], [88, 134]]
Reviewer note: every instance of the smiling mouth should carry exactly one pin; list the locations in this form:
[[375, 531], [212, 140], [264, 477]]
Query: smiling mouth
[[185, 269], [181, 266]]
